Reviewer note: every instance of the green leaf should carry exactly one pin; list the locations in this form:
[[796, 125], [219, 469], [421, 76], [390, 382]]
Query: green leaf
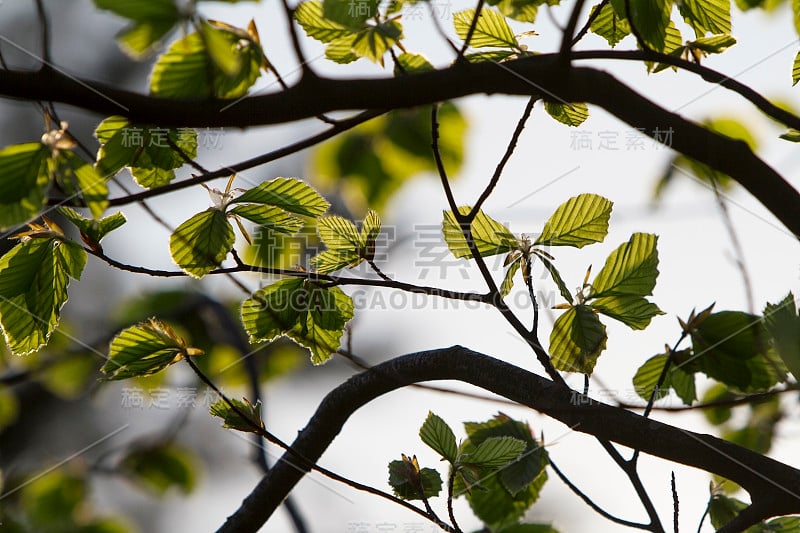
[[274, 218], [93, 230], [190, 70], [290, 194], [338, 233], [573, 114], [139, 10], [609, 25], [374, 41], [489, 236], [411, 64], [508, 279], [34, 276], [577, 339], [491, 30], [496, 56], [651, 18], [494, 452], [310, 17], [232, 419], [347, 247], [341, 50], [707, 16], [715, 44], [351, 14], [144, 349], [437, 434], [161, 467], [9, 412], [792, 135], [556, 276], [52, 500], [631, 269], [310, 315], [722, 509], [796, 69], [201, 243], [22, 182], [783, 324], [141, 40], [633, 311], [646, 378], [145, 150], [152, 20], [732, 347], [405, 478], [79, 178], [579, 221], [673, 46], [520, 10]]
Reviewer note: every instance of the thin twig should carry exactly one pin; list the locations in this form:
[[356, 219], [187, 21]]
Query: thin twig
[[45, 34], [675, 503], [471, 31], [569, 31]]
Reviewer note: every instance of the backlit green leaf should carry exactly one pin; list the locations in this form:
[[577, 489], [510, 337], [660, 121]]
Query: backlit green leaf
[[497, 56], [609, 25], [437, 434], [579, 221], [375, 41], [201, 243], [143, 38], [347, 247], [145, 349], [651, 18], [508, 279], [351, 14], [152, 20], [556, 276], [707, 16], [577, 339], [93, 230], [310, 315], [411, 63], [521, 10], [34, 276], [633, 311], [246, 417], [796, 69], [22, 182], [714, 44], [631, 269], [571, 114], [491, 30], [310, 17], [290, 194], [489, 236], [271, 217], [80, 179]]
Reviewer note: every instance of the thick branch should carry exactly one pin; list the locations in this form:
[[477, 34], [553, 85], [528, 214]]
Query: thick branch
[[540, 76], [773, 485]]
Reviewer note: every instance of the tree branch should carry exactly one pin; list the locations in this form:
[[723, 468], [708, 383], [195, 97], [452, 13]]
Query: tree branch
[[774, 485]]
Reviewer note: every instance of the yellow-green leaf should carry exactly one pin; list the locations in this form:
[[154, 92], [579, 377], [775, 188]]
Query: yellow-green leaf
[[23, 180], [579, 221], [249, 420], [274, 218], [374, 41], [632, 310], [491, 30], [631, 269], [80, 179], [577, 339], [609, 25], [573, 114], [489, 236], [310, 17], [201, 243], [707, 16], [290, 194]]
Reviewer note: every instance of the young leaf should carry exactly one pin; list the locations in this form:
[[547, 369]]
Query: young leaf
[[651, 18], [579, 221], [274, 218], [79, 178], [411, 63], [713, 45], [792, 135], [93, 230], [310, 315], [233, 420], [310, 17], [22, 182], [609, 25], [508, 279], [406, 477], [494, 452], [707, 16], [34, 276], [490, 237], [147, 151], [346, 246], [491, 30], [521, 10], [437, 434], [577, 339], [152, 20], [646, 378], [374, 41], [631, 269], [497, 56], [633, 311], [290, 194], [556, 275], [145, 349], [796, 69], [201, 243], [571, 114], [783, 324], [161, 467]]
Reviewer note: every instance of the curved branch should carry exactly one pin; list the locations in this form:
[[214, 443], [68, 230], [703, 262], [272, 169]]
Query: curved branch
[[541, 75], [774, 485]]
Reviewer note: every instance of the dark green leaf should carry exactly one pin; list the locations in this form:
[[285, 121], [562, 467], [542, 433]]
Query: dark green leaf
[[201, 243], [651, 18], [349, 13], [722, 509], [783, 325], [577, 339], [145, 349], [311, 315], [247, 419], [792, 135], [406, 477], [437, 434], [579, 221]]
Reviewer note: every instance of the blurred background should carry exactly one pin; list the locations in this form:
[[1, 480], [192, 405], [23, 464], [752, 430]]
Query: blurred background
[[53, 411]]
